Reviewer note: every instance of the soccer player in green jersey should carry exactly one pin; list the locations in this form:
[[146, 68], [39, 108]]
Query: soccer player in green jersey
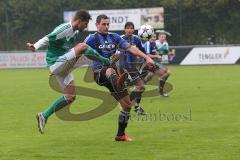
[[160, 48], [61, 59]]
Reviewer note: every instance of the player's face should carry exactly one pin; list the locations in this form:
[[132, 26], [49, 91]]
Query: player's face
[[103, 26], [82, 25], [162, 37], [129, 30], [153, 38]]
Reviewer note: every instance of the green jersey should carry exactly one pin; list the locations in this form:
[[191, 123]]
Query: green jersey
[[162, 49], [59, 42]]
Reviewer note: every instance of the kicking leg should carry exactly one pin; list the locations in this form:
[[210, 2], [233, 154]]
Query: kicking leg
[[116, 81], [90, 53]]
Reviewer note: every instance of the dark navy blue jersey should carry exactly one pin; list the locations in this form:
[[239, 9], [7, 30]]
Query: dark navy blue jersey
[[106, 44], [150, 47], [127, 59]]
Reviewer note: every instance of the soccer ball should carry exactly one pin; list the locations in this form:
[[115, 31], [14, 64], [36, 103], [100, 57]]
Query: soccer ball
[[145, 31]]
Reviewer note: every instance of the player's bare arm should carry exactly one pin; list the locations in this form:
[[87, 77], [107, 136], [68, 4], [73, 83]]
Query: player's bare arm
[[155, 56], [139, 53]]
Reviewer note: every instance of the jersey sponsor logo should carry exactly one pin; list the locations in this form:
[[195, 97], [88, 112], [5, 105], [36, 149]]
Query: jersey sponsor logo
[[107, 46]]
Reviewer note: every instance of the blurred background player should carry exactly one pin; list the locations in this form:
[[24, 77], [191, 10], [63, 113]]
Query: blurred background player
[[61, 59], [162, 46], [131, 63], [158, 47], [107, 43], [150, 45]]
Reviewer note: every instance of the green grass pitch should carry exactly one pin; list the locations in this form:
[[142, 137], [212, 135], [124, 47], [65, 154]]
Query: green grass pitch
[[205, 104]]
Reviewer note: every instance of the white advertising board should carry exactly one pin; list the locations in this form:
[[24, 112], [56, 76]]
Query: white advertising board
[[118, 17], [22, 60], [212, 55]]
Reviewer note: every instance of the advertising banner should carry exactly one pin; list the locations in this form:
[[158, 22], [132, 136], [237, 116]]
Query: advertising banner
[[212, 55], [31, 60], [22, 60], [118, 17]]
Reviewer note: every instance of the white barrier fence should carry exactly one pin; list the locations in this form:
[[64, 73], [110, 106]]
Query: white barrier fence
[[30, 60], [212, 55], [188, 56], [22, 60]]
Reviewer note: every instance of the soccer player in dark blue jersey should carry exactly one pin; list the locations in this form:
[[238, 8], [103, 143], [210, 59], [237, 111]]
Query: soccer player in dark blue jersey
[[132, 63], [106, 43]]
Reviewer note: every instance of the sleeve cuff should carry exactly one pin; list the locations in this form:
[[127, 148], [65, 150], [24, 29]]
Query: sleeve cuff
[[42, 42]]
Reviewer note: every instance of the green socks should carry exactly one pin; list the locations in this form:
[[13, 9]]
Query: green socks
[[94, 55], [57, 105]]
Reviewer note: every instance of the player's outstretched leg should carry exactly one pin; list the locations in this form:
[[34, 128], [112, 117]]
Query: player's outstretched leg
[[90, 53]]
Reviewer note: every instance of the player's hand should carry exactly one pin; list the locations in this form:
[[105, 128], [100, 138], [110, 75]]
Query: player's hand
[[159, 57], [31, 47]]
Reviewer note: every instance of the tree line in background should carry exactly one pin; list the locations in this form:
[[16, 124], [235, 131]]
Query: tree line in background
[[191, 22]]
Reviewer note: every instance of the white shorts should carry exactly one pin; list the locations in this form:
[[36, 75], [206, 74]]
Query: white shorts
[[63, 67]]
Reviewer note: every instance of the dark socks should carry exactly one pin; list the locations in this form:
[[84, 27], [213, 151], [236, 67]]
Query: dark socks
[[162, 83], [122, 122]]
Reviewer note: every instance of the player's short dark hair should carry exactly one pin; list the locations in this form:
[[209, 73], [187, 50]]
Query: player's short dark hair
[[128, 24], [100, 17], [153, 35], [83, 15]]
